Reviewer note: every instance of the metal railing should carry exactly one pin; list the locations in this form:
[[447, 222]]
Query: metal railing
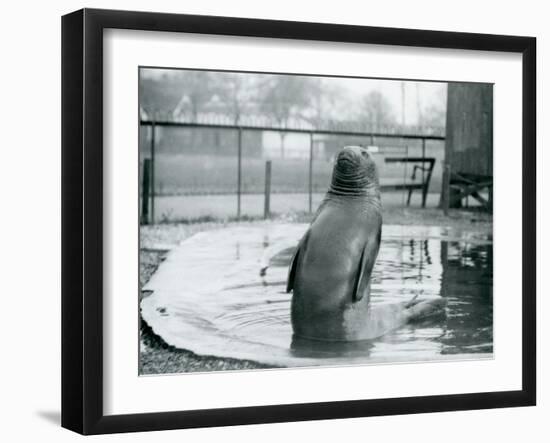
[[148, 212]]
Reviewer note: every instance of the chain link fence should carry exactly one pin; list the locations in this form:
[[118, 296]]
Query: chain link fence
[[193, 172]]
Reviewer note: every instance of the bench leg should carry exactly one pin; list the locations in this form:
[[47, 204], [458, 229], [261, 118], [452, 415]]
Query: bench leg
[[424, 195], [409, 197]]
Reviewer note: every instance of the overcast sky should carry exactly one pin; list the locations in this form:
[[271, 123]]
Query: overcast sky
[[425, 94]]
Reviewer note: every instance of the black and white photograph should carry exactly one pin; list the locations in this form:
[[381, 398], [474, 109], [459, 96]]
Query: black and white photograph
[[292, 221], [271, 222]]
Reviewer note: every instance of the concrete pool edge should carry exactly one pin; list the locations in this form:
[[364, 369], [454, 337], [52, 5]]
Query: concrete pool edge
[[282, 362]]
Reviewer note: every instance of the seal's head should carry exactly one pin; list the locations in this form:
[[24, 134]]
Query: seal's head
[[355, 173]]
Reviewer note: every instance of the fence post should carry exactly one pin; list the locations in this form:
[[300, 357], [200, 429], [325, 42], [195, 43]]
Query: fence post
[[267, 195], [239, 170], [153, 172], [310, 172], [405, 176], [145, 191]]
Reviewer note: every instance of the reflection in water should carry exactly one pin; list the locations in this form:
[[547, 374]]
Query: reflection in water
[[303, 347], [216, 302], [467, 284]]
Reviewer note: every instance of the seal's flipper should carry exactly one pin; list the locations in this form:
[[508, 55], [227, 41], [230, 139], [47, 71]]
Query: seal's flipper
[[426, 308], [366, 264], [273, 250], [294, 263]]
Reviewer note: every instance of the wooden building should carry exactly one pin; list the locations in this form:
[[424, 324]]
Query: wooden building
[[469, 145]]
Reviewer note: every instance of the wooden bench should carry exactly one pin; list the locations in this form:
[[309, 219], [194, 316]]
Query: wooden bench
[[426, 166], [464, 185]]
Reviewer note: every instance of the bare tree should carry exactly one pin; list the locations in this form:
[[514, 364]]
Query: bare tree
[[154, 96], [328, 102], [434, 115], [376, 110], [419, 105], [195, 89], [175, 92], [237, 94], [283, 98]]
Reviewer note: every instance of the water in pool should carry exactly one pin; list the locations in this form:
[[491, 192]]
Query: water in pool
[[208, 297]]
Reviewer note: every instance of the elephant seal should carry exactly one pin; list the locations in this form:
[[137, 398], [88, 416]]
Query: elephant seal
[[331, 269]]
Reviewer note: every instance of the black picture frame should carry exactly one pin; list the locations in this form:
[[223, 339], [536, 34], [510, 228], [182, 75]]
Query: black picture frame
[[82, 220]]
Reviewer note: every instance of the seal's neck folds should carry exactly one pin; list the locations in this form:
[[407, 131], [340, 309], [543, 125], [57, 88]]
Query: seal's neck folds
[[355, 185]]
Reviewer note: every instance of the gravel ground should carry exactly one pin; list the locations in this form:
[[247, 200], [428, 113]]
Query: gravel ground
[[157, 357]]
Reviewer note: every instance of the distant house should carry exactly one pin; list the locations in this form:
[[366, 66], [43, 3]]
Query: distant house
[[200, 140]]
